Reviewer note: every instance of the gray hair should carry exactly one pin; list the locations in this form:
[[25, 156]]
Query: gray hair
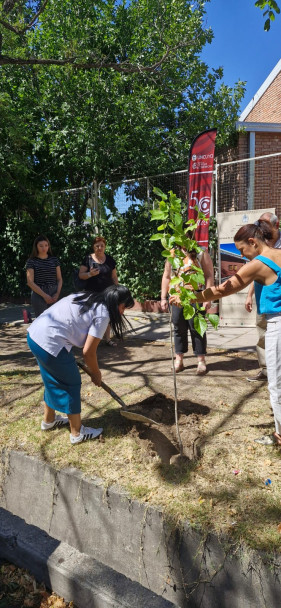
[[272, 218]]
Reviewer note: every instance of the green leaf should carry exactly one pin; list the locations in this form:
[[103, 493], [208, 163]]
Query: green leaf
[[175, 281], [214, 320], [156, 214], [175, 262], [200, 324], [178, 219], [159, 193], [188, 311], [267, 25], [156, 237]]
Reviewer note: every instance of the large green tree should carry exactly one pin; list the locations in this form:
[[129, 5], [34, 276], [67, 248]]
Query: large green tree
[[135, 114]]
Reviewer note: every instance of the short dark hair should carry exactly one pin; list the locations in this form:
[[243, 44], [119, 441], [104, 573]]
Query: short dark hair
[[99, 238], [111, 297]]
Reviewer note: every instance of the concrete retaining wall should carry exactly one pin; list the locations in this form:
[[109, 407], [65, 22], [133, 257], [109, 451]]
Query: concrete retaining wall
[[135, 540]]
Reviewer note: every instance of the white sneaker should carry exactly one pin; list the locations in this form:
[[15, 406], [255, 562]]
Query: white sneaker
[[86, 433], [59, 421]]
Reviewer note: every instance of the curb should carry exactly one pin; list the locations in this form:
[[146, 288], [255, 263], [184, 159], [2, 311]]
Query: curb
[[71, 574]]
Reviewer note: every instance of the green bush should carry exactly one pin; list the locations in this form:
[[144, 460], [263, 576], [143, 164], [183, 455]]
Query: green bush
[[139, 262], [69, 244]]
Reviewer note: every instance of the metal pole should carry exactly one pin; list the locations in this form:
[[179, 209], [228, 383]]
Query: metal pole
[[148, 192], [251, 188], [92, 203], [216, 188], [96, 203]]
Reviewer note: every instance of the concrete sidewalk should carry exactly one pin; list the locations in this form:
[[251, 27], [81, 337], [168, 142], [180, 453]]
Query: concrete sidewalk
[[154, 326]]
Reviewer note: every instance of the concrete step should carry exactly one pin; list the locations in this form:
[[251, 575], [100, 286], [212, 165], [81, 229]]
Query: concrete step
[[71, 574]]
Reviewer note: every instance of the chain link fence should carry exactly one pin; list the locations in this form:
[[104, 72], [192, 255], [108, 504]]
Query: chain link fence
[[102, 201], [117, 197], [251, 183]]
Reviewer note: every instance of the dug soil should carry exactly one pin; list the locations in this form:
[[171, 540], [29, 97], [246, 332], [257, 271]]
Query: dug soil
[[137, 367]]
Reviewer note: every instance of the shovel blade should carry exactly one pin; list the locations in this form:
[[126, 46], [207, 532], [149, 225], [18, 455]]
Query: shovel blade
[[137, 417]]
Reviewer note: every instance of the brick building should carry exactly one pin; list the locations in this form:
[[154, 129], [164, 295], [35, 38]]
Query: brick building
[[255, 183]]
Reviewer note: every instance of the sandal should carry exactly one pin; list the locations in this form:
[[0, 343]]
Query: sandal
[[179, 367], [110, 343], [201, 368]]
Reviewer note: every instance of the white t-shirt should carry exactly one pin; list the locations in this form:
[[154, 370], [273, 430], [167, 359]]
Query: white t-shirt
[[62, 325]]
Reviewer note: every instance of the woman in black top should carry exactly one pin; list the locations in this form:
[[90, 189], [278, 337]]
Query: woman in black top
[[43, 275], [98, 270]]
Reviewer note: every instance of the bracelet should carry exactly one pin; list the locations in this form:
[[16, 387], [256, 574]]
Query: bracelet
[[89, 274]]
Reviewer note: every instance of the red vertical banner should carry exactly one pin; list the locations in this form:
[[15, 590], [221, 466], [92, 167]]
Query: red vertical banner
[[200, 168]]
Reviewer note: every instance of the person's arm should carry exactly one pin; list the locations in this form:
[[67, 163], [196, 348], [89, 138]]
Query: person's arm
[[85, 274], [236, 283], [90, 358], [59, 280], [208, 270], [114, 276], [165, 286], [249, 298], [30, 282]]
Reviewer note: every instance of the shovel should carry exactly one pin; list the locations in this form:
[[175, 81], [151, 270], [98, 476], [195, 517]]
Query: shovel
[[124, 411]]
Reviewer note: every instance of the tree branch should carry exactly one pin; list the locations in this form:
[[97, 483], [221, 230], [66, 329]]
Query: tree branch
[[22, 31], [9, 27], [122, 67], [30, 24]]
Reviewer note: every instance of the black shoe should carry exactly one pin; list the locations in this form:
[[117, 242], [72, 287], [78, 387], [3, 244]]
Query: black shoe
[[259, 377]]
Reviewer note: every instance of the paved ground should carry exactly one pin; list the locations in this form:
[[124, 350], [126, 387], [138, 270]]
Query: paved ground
[[153, 326]]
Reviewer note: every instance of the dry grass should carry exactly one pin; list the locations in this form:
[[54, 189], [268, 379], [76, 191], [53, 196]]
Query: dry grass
[[208, 493]]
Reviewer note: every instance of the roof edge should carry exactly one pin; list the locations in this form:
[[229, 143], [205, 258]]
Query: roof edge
[[261, 91], [267, 127]]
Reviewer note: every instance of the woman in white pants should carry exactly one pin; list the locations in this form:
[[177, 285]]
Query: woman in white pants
[[265, 270]]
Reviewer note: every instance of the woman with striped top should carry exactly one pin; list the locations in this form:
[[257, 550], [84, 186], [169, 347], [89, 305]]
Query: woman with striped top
[[43, 275]]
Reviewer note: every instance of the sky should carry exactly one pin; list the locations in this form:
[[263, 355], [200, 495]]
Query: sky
[[240, 44]]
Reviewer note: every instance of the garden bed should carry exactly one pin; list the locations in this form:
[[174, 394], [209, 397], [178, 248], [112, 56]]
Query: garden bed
[[223, 489]]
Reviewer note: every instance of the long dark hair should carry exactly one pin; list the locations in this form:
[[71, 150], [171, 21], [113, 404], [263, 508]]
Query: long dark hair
[[111, 297], [261, 229], [41, 237]]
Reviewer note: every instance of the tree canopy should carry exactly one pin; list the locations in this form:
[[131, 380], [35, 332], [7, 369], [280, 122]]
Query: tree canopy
[[135, 114]]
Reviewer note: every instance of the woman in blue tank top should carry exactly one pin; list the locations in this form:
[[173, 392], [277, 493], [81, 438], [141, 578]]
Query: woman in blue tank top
[[264, 269]]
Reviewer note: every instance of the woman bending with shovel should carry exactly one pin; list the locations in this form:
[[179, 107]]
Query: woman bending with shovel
[[265, 270], [80, 321]]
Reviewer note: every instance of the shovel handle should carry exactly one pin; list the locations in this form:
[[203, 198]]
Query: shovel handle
[[103, 385], [124, 412]]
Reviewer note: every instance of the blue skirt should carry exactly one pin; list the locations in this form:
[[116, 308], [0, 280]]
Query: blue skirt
[[61, 377]]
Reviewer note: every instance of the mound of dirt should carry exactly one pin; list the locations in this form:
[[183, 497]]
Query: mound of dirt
[[162, 438]]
